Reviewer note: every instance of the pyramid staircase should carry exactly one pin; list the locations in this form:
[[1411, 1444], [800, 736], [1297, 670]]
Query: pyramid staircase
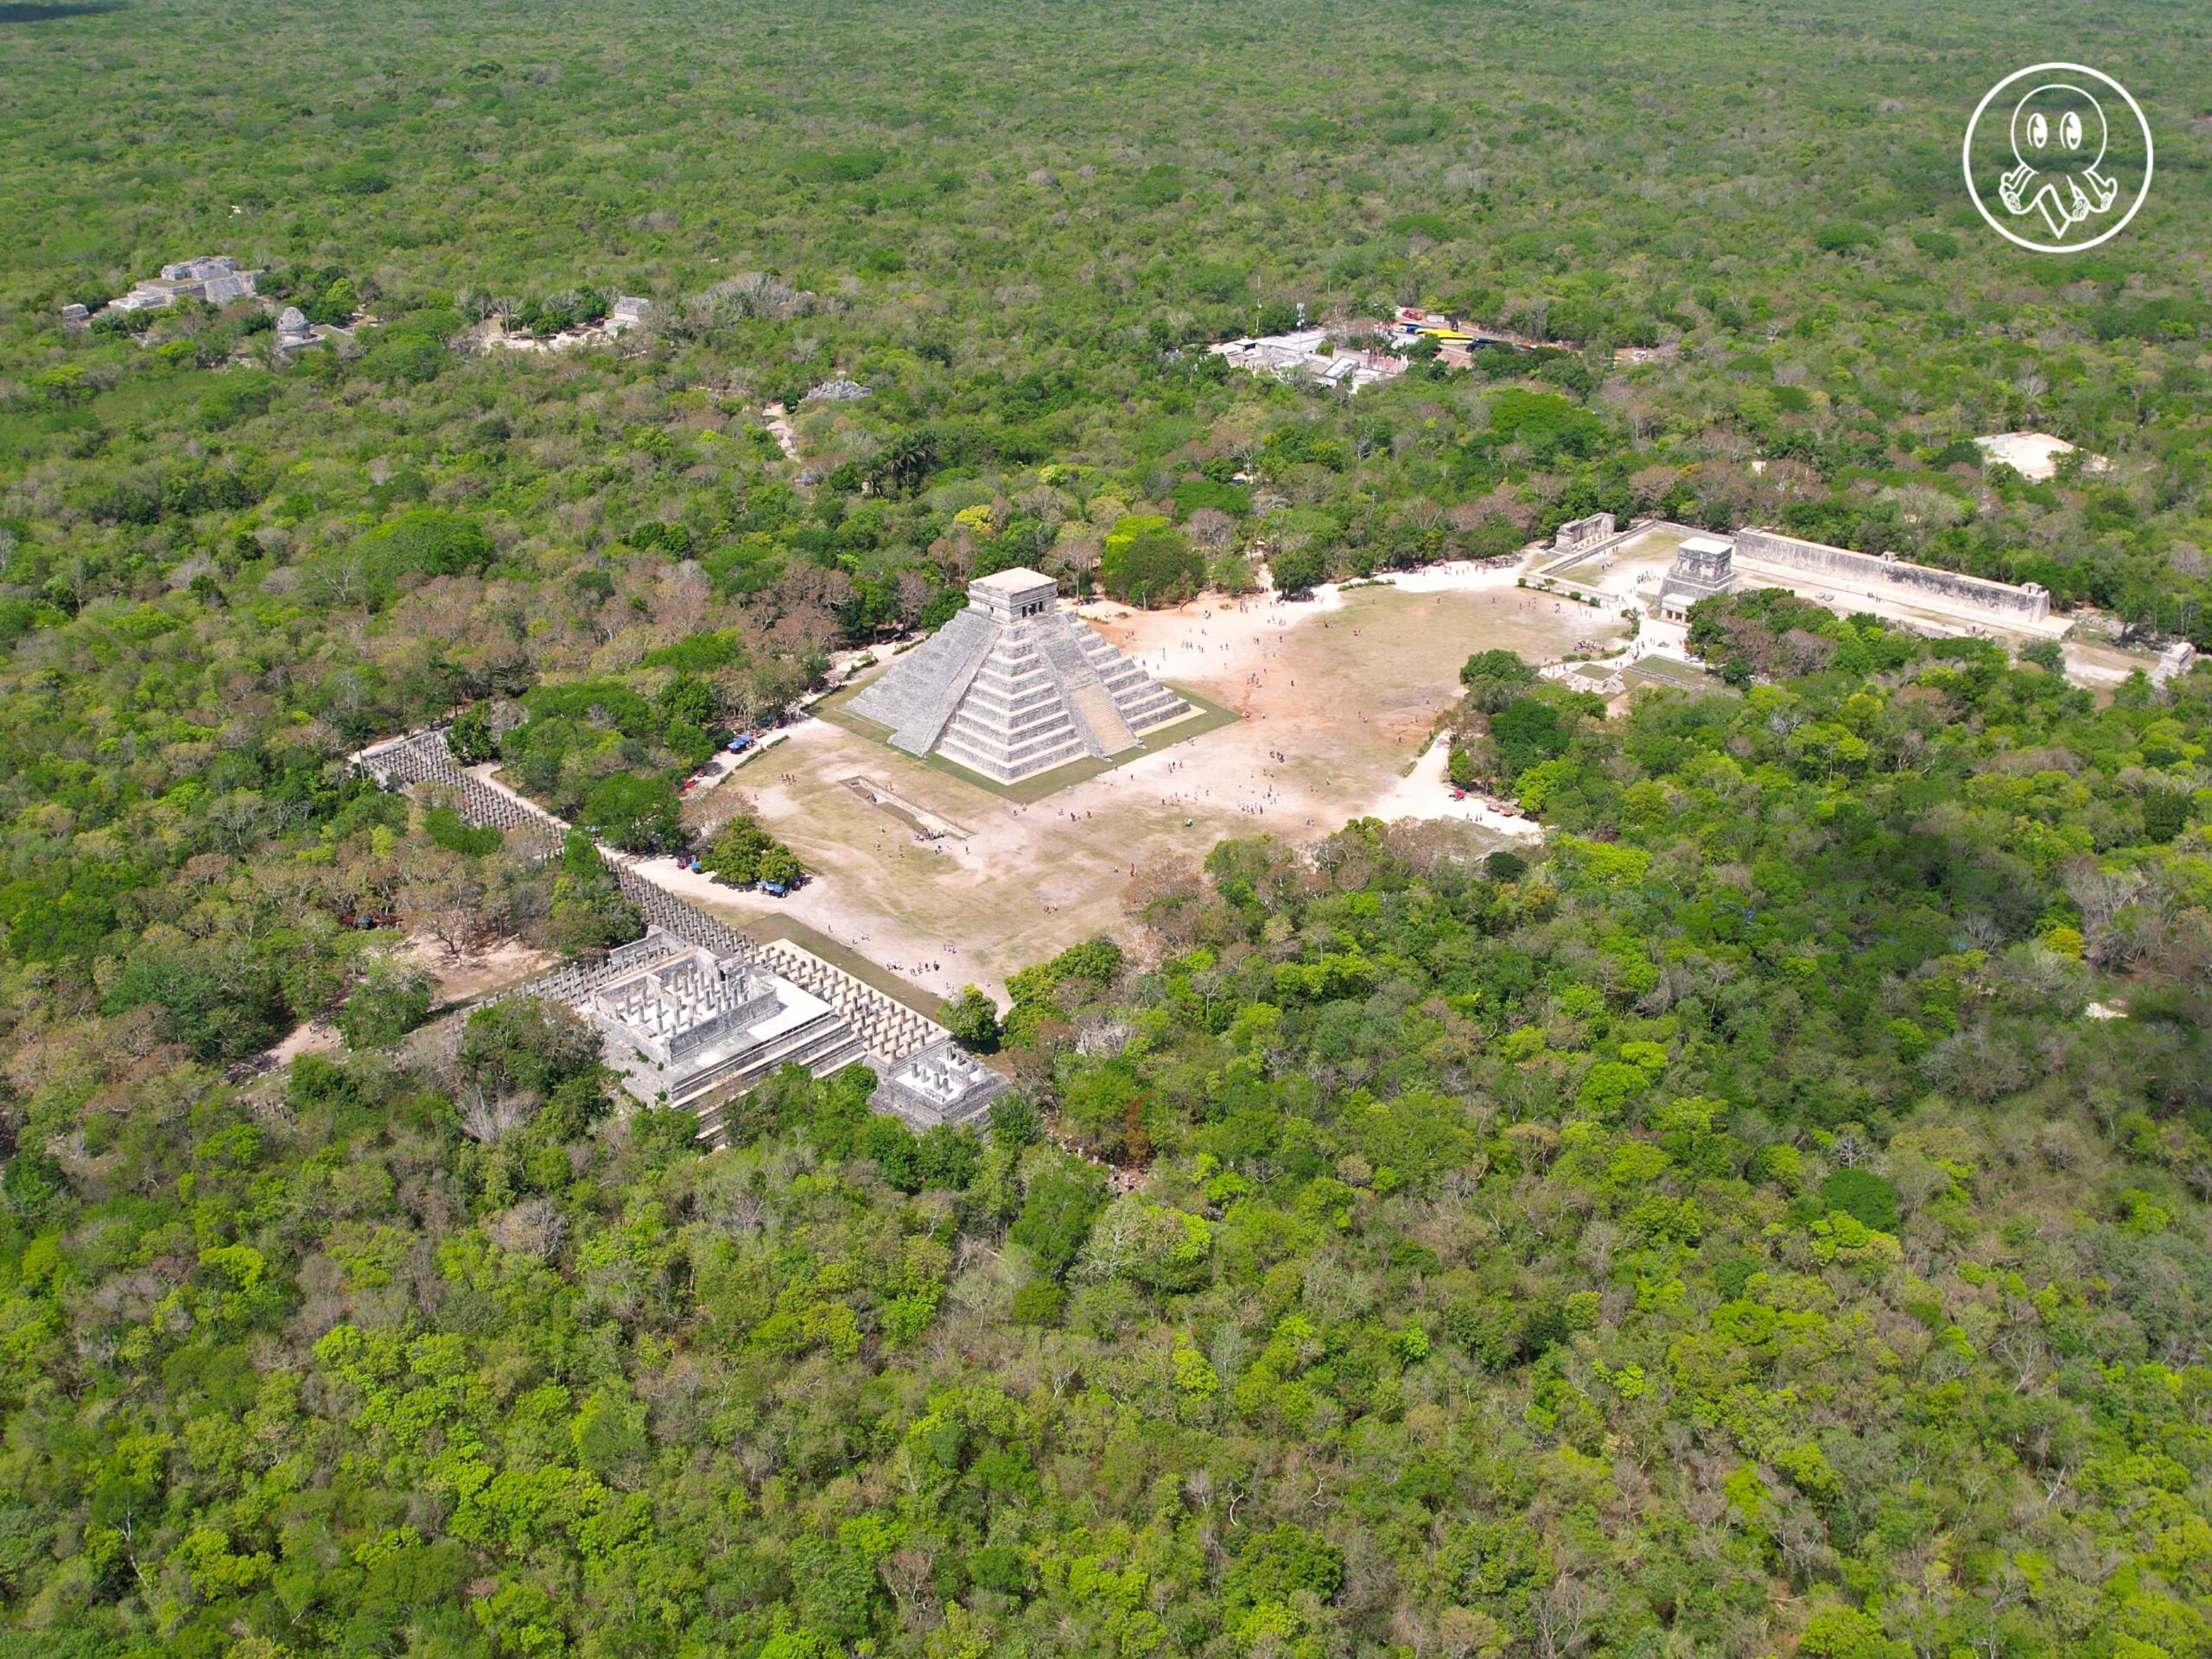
[[1102, 729], [1015, 685]]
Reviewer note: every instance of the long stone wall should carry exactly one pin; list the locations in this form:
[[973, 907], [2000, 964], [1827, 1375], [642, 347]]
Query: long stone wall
[[1887, 570], [421, 759]]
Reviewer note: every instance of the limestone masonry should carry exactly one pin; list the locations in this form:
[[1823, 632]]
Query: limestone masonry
[[682, 1022], [217, 278], [1578, 533], [1871, 573], [939, 1085], [1016, 684], [1703, 567]]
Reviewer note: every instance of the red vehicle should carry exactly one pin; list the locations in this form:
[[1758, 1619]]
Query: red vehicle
[[1458, 794]]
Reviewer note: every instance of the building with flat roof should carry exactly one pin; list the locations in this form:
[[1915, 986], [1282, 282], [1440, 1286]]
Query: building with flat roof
[[941, 1085]]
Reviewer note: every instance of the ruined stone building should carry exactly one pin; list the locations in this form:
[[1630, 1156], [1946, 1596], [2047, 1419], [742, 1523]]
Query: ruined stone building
[[217, 278], [681, 1022], [941, 1085], [1579, 533], [1704, 566]]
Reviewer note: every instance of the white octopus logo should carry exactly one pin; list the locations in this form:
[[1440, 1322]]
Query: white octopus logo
[[2062, 174]]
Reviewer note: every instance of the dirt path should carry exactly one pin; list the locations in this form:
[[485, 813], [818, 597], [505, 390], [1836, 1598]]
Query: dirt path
[[779, 421], [1425, 792]]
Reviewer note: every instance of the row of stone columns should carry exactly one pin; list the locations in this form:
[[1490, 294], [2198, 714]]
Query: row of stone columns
[[422, 759]]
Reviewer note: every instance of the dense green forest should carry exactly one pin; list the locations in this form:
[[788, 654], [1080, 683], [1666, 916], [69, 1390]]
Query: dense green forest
[[1735, 1228], [1722, 1232]]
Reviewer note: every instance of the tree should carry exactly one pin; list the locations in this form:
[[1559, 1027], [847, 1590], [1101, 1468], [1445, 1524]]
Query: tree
[[445, 895], [780, 865], [426, 542], [1864, 1196], [527, 1045], [973, 1018], [743, 852], [1845, 1633], [589, 912], [1056, 1213], [1493, 679], [215, 997], [1148, 561], [1298, 570], [638, 815], [390, 1001], [1282, 1562], [469, 737]]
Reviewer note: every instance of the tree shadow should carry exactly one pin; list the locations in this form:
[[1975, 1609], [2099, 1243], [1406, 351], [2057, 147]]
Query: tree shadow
[[20, 11]]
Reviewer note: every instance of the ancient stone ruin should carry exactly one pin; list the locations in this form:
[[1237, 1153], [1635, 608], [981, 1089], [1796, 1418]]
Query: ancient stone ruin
[[1579, 533], [939, 1085], [217, 278], [1016, 684], [695, 1013], [1872, 574], [681, 1022], [294, 331], [1704, 566]]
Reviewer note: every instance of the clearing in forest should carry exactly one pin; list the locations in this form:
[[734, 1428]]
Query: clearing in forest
[[1328, 704]]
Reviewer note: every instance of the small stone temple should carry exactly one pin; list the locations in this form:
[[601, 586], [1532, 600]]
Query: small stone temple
[[1016, 684], [941, 1085], [1579, 533], [1704, 566], [294, 331]]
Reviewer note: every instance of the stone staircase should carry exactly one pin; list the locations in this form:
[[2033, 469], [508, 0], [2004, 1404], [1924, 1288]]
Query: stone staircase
[[947, 662], [1011, 694], [1142, 701], [1103, 730], [824, 1046], [1095, 711]]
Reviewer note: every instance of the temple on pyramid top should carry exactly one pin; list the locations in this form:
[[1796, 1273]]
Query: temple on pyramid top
[[1017, 684]]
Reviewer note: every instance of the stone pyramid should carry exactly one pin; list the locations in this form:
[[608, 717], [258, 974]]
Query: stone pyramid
[[1016, 684]]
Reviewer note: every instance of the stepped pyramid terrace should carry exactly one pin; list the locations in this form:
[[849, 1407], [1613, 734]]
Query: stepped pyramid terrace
[[1015, 685]]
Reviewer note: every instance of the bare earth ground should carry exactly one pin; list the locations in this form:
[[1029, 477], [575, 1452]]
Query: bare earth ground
[[308, 1037], [460, 981], [1348, 686], [2101, 666], [477, 973]]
